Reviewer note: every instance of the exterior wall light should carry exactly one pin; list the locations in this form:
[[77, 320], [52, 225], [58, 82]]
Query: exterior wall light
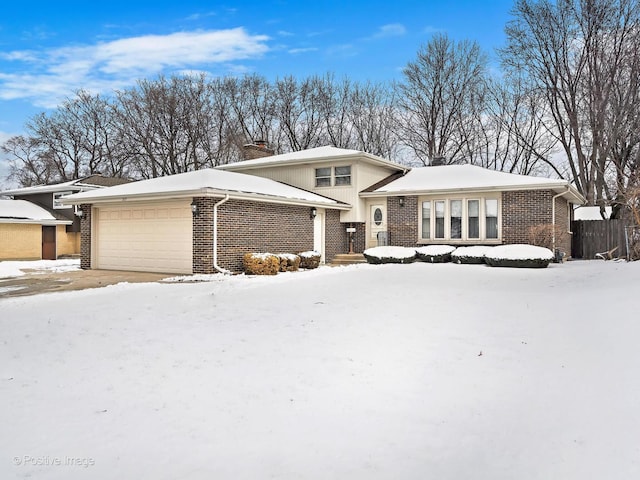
[[314, 212], [401, 201], [194, 208]]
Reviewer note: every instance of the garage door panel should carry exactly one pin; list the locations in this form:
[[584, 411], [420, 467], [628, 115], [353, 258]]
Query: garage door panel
[[154, 237]]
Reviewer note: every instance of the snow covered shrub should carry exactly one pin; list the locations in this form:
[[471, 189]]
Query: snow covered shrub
[[289, 262], [524, 256], [435, 253], [310, 259], [260, 263], [470, 255], [388, 254]]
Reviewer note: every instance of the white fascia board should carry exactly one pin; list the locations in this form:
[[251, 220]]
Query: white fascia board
[[35, 221], [206, 192], [316, 160], [510, 188]]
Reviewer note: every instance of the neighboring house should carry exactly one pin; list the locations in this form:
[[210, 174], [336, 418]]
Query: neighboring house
[[28, 232], [313, 199], [58, 238]]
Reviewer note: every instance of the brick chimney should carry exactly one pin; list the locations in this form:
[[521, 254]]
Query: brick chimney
[[438, 161], [257, 149]]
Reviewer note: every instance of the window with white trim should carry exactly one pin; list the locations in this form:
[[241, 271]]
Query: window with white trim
[[460, 219], [342, 175], [56, 200], [336, 176], [323, 177]]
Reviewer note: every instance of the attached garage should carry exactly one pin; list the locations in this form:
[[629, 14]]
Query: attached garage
[[145, 237], [196, 222]]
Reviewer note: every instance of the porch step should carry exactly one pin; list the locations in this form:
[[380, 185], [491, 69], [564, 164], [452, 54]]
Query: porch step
[[348, 259]]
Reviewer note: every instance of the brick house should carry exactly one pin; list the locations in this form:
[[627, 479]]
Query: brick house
[[326, 199]]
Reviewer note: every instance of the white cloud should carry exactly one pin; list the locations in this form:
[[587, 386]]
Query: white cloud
[[295, 51], [52, 74], [390, 30]]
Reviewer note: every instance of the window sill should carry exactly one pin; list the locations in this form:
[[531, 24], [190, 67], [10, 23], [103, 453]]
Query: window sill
[[457, 241]]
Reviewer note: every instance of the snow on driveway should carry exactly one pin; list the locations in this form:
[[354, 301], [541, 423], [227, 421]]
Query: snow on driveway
[[413, 371]]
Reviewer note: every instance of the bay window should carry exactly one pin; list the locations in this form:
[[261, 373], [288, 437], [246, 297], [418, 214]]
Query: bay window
[[426, 219], [473, 218], [491, 217], [462, 219], [439, 206]]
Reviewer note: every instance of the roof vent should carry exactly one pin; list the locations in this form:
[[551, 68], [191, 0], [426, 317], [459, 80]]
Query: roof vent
[[438, 161]]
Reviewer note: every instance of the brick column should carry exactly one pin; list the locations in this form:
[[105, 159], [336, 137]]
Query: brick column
[[203, 235], [85, 237]]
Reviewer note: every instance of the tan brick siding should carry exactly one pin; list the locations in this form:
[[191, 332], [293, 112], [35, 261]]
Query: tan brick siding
[[20, 241], [67, 243]]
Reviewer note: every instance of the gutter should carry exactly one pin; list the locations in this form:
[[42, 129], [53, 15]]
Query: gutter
[[553, 216], [215, 237]]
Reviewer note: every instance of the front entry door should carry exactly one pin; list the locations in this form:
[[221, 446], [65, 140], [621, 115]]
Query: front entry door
[[48, 243], [378, 223]]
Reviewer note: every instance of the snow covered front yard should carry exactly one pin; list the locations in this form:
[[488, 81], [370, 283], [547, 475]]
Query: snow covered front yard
[[418, 371]]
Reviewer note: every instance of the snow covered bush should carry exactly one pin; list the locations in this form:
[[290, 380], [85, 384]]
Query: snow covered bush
[[288, 262], [470, 255], [435, 253], [261, 263], [524, 256], [389, 254], [309, 259]]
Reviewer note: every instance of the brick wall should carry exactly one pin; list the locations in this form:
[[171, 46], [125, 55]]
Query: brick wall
[[523, 210], [67, 243], [402, 222], [20, 241], [245, 226], [85, 237], [203, 235], [563, 226]]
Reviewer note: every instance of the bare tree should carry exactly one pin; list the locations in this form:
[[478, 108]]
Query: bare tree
[[583, 55], [441, 91]]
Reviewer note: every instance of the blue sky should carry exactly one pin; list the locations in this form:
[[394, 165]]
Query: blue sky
[[49, 50]]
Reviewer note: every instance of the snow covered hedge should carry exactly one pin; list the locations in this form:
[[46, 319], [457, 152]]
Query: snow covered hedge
[[435, 253], [377, 255], [309, 259], [261, 263], [288, 262], [523, 256], [470, 255]]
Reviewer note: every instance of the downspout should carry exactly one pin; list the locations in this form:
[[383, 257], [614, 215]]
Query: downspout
[[553, 217], [215, 237]]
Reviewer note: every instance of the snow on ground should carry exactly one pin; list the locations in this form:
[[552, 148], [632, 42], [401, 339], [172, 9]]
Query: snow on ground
[[413, 371], [11, 268]]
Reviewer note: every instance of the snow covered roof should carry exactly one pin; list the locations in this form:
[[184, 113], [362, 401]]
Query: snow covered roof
[[456, 178], [311, 155], [590, 213], [85, 183], [207, 182], [22, 211]]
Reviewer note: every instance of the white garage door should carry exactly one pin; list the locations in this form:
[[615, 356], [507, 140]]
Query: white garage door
[[144, 237]]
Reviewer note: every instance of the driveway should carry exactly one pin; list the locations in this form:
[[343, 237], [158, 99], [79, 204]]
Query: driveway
[[37, 281]]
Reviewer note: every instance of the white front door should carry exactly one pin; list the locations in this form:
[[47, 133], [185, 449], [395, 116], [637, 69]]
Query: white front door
[[377, 222], [318, 234]]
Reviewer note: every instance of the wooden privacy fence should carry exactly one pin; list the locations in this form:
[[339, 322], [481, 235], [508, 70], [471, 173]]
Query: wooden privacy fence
[[597, 236]]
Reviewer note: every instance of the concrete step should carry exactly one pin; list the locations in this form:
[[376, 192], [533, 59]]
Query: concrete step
[[348, 259]]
